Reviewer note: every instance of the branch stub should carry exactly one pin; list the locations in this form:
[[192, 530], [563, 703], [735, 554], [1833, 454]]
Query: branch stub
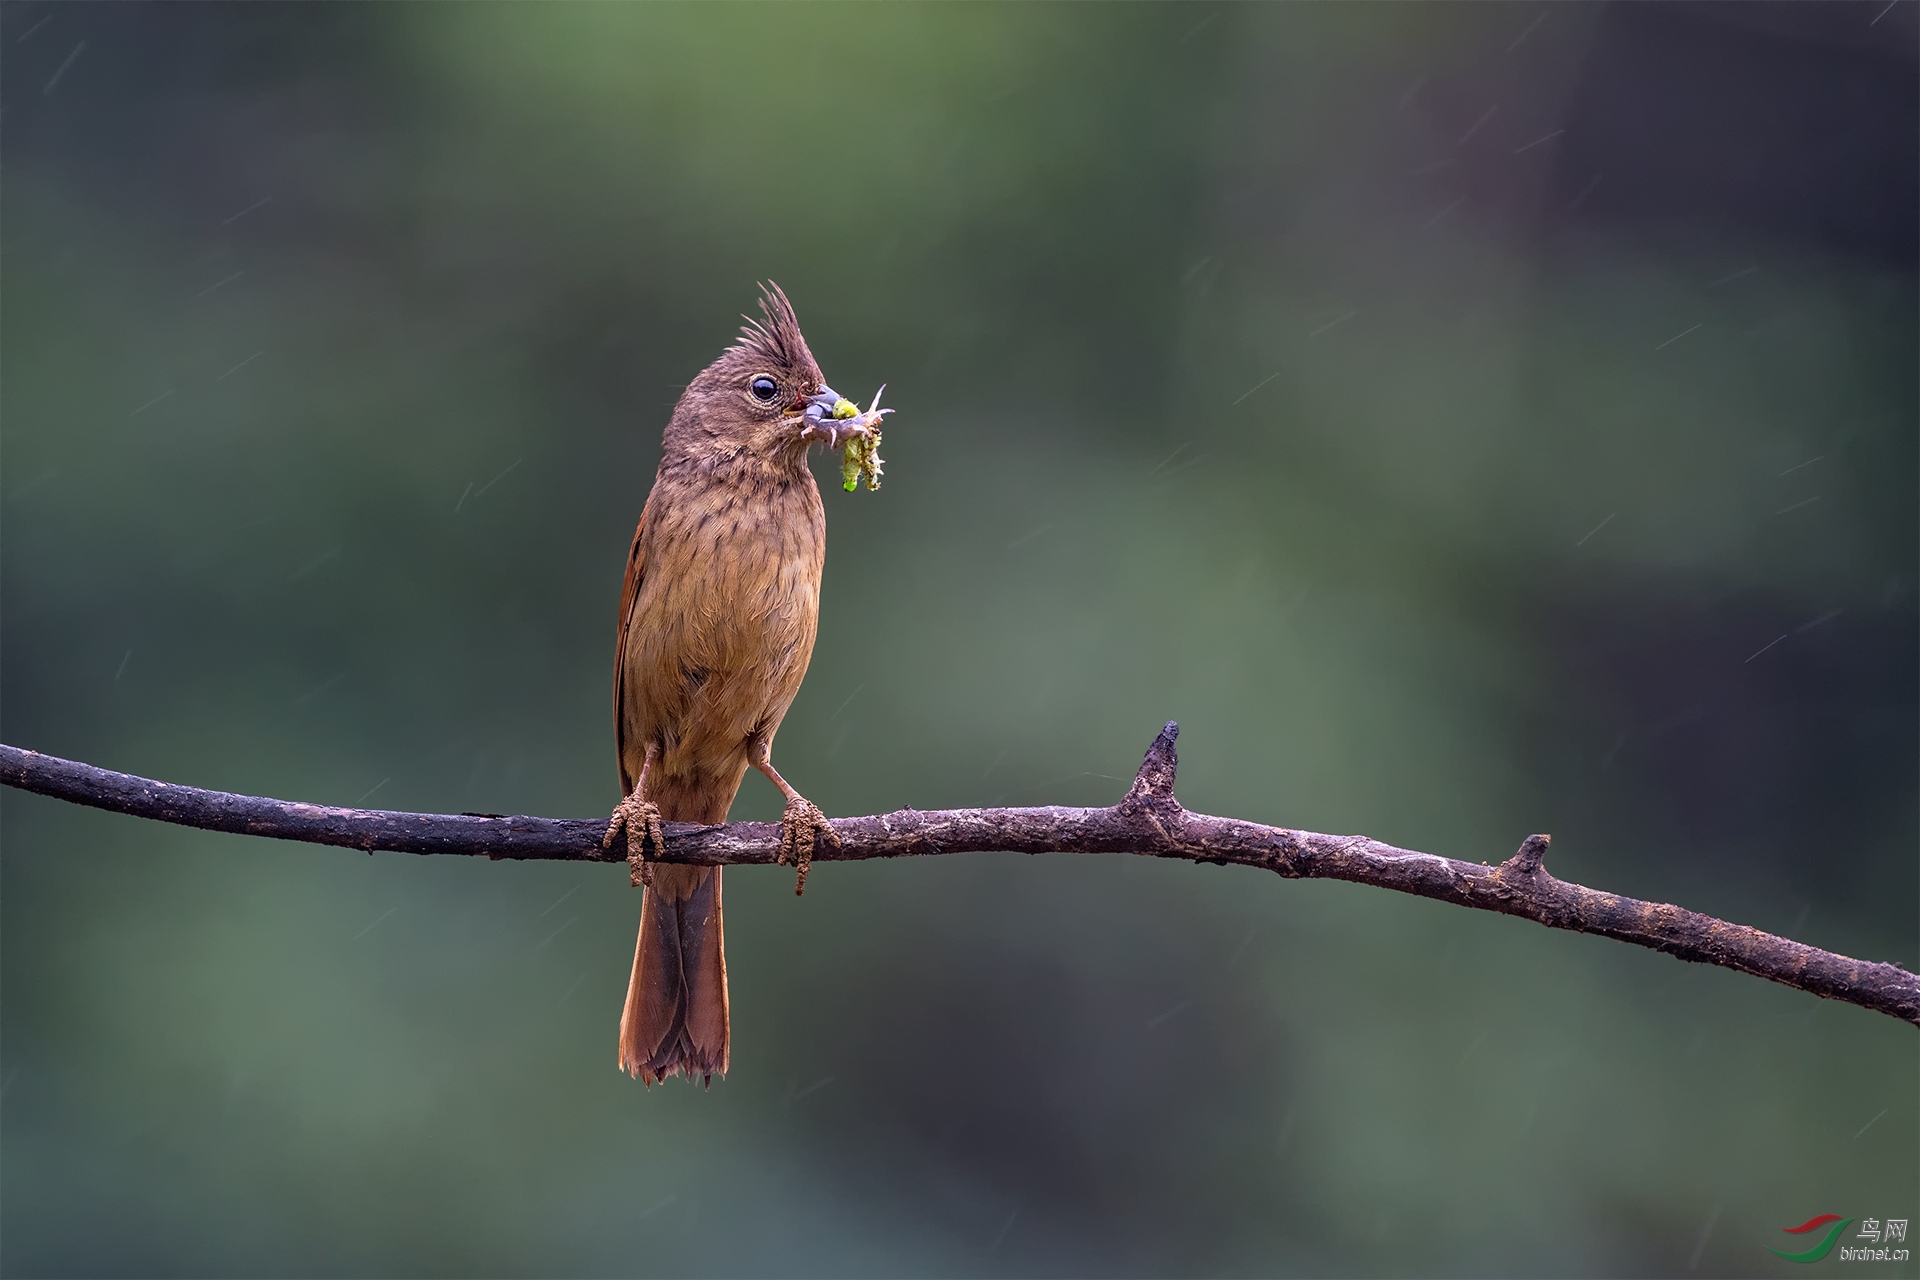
[[1153, 784], [1533, 851]]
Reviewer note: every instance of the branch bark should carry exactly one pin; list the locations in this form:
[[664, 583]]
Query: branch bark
[[1148, 820]]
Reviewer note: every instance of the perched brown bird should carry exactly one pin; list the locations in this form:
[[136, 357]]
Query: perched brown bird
[[717, 622]]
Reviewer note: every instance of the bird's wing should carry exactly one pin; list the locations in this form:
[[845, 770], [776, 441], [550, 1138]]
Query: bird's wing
[[629, 594]]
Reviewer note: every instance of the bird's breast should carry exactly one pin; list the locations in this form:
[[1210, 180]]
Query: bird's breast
[[724, 624], [748, 559]]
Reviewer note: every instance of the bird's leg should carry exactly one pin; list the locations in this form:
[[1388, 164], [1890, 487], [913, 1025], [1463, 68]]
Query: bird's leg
[[640, 818], [801, 826]]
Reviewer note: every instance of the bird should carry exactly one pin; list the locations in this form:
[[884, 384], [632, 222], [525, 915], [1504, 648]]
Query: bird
[[717, 620]]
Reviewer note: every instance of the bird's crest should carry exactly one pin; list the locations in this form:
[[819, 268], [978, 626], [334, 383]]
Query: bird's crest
[[776, 335]]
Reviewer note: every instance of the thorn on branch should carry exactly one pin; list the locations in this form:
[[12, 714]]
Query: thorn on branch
[[1153, 785], [1533, 850]]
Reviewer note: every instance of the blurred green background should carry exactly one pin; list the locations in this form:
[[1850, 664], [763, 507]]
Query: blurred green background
[[1465, 420]]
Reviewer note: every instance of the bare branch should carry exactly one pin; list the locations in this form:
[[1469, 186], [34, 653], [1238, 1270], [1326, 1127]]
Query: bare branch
[[1148, 820]]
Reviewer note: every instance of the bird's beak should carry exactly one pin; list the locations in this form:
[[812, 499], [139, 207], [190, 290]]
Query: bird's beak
[[820, 423]]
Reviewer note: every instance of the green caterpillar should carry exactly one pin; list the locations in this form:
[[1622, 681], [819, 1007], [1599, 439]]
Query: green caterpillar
[[862, 457]]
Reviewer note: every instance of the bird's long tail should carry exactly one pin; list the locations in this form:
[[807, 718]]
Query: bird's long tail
[[675, 1018]]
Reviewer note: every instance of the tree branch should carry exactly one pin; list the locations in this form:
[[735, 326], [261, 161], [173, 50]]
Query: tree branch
[[1148, 820]]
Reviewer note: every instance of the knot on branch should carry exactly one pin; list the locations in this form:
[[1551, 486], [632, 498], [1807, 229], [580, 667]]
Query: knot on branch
[[1533, 850], [1153, 786]]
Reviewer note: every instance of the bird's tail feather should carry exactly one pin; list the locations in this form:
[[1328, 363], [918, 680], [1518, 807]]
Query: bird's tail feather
[[675, 1018]]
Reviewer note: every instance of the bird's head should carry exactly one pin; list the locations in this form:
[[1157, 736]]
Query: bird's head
[[764, 396]]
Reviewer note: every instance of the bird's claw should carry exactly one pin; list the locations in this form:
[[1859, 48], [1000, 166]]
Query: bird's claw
[[801, 828], [640, 819]]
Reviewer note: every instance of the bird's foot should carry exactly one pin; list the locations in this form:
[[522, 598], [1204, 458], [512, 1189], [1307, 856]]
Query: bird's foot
[[802, 828], [640, 819]]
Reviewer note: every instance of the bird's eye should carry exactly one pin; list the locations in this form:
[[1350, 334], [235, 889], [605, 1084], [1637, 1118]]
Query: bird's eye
[[764, 389]]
